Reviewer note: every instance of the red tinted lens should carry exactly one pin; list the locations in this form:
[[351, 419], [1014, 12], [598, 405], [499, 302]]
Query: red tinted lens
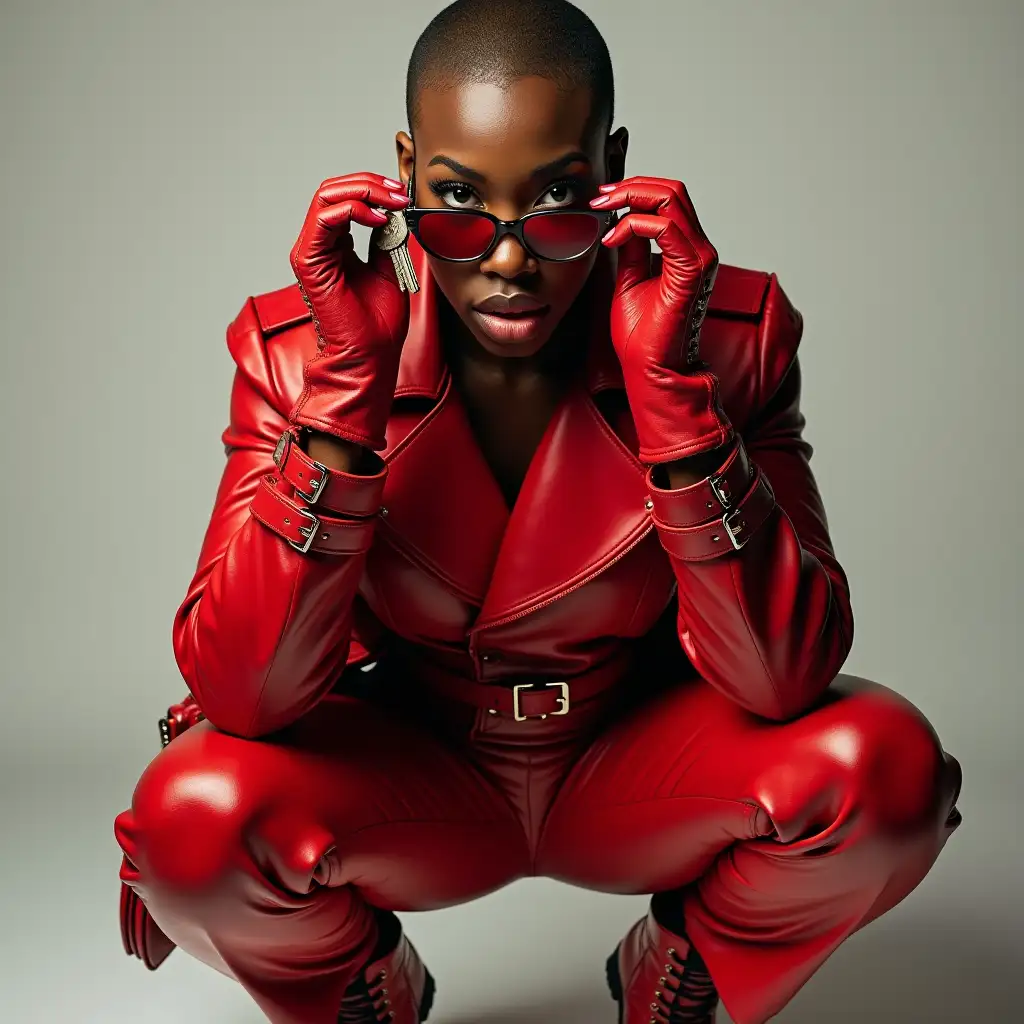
[[561, 236], [455, 236]]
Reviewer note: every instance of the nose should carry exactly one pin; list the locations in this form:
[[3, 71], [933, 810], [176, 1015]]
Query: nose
[[509, 260]]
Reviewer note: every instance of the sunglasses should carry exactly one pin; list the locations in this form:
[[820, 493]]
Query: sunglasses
[[463, 236]]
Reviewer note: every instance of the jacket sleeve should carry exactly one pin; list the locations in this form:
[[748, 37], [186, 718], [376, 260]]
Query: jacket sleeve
[[264, 630], [770, 625]]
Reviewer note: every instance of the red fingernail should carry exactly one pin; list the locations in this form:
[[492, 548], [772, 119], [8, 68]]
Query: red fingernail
[[379, 213], [393, 184], [399, 197], [609, 235], [599, 200], [606, 188]]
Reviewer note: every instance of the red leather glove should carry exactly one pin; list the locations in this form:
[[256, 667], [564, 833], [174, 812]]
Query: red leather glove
[[656, 319], [359, 311]]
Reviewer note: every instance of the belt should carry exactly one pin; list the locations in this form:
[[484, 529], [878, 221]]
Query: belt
[[535, 699]]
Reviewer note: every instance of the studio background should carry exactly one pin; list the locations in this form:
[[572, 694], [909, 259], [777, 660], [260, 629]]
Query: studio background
[[157, 162]]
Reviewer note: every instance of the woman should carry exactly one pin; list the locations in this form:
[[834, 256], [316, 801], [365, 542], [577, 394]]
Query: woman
[[558, 505]]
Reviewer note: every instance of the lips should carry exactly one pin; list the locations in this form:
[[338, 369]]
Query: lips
[[515, 305]]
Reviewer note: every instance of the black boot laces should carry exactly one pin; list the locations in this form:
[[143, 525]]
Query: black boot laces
[[366, 1002], [687, 994]]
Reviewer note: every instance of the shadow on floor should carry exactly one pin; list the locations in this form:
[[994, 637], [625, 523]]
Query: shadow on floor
[[914, 975]]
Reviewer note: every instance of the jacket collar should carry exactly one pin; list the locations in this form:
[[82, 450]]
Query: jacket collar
[[422, 371]]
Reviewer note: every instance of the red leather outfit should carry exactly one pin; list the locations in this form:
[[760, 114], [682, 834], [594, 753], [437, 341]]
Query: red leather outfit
[[710, 749]]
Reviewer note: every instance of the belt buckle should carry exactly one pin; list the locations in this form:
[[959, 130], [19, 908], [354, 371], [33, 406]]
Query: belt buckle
[[720, 489], [734, 531], [309, 532], [316, 487], [563, 698]]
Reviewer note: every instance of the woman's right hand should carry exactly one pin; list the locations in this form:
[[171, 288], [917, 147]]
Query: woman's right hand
[[360, 313]]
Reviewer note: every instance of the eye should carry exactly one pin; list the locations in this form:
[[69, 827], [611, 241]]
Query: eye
[[456, 194], [562, 193]]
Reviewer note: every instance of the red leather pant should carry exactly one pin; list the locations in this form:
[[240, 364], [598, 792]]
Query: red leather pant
[[262, 858]]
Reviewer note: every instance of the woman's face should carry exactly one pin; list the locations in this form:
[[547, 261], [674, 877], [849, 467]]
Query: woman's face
[[508, 150]]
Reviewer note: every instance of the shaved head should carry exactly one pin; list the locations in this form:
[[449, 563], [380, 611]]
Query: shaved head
[[498, 41]]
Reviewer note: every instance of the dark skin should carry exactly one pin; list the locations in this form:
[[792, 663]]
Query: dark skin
[[509, 150]]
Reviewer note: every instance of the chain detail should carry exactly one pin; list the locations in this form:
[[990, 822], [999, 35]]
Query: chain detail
[[321, 343], [700, 308]]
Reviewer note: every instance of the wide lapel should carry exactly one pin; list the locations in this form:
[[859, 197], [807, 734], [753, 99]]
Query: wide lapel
[[445, 511], [583, 501]]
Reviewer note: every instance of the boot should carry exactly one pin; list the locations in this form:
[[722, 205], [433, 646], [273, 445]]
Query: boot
[[394, 987], [657, 977]]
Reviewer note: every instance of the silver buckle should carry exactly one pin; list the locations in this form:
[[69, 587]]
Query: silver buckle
[[720, 492], [563, 699], [733, 531], [309, 532], [318, 485], [284, 442]]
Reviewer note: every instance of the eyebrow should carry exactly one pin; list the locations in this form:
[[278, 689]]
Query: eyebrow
[[545, 170]]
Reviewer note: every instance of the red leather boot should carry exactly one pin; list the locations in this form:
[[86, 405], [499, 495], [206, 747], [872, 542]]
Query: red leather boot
[[657, 977], [394, 987]]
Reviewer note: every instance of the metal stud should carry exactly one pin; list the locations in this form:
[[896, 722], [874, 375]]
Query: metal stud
[[715, 537], [648, 504]]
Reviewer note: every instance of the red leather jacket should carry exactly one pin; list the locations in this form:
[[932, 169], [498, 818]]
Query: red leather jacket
[[570, 577]]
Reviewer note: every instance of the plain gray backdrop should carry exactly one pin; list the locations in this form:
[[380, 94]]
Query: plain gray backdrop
[[157, 162]]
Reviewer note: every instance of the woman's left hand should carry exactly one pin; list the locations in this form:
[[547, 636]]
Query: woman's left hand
[[656, 318]]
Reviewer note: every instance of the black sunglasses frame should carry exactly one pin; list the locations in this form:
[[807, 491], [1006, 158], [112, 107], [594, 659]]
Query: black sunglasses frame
[[501, 229]]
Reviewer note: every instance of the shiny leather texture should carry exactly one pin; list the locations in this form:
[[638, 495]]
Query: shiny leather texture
[[357, 309], [657, 319], [555, 585], [658, 978], [393, 988], [782, 805]]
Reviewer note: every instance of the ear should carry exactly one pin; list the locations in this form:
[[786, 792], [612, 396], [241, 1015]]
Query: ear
[[406, 152], [615, 154]]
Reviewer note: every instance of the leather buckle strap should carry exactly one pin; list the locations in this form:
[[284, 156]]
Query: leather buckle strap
[[305, 531], [535, 699], [561, 699], [344, 493], [721, 536], [695, 504], [299, 469]]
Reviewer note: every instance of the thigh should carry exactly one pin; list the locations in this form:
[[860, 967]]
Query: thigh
[[659, 796], [348, 796]]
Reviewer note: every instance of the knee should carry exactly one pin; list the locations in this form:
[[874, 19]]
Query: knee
[[210, 809], [889, 756], [186, 818]]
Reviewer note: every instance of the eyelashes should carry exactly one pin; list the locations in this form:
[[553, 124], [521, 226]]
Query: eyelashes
[[441, 188], [578, 186]]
